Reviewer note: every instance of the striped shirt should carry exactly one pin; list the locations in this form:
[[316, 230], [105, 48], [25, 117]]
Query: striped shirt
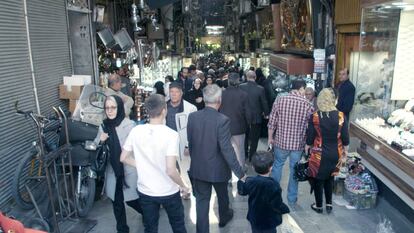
[[289, 119]]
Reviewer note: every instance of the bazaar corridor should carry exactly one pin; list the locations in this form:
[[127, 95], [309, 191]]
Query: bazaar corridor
[[341, 220]]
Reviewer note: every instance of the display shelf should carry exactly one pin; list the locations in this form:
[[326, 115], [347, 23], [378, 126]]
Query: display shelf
[[404, 162], [389, 165]]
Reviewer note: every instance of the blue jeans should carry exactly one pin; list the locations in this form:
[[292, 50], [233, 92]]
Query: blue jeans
[[151, 212], [280, 158]]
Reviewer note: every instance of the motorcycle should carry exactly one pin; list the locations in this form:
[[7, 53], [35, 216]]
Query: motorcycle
[[88, 162]]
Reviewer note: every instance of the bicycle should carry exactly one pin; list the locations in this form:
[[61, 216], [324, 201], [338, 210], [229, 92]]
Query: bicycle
[[43, 168], [30, 170]]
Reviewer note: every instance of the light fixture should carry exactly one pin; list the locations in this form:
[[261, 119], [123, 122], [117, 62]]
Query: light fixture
[[215, 29], [135, 18]]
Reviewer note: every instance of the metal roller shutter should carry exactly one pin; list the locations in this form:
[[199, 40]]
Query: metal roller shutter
[[51, 58], [50, 49], [16, 132]]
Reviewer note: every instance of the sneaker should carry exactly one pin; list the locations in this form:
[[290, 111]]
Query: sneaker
[[227, 220]]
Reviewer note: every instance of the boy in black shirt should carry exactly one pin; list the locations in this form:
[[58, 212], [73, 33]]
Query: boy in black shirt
[[265, 196]]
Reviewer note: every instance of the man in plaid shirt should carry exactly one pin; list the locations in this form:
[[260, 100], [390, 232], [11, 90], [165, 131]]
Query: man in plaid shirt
[[286, 133]]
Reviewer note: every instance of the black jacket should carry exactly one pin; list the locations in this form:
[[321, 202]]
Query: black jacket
[[234, 104], [191, 97], [212, 155], [257, 102], [269, 92], [346, 97], [265, 201], [187, 84]]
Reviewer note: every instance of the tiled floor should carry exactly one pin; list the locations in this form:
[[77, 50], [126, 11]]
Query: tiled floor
[[342, 220]]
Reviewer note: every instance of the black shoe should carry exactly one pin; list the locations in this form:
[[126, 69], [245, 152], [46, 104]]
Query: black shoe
[[328, 208], [227, 220], [318, 210]]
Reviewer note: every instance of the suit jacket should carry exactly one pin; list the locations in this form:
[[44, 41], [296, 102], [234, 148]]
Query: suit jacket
[[269, 92], [187, 84], [234, 104], [257, 102], [212, 155]]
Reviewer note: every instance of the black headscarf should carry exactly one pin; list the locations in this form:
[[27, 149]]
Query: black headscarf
[[159, 88], [115, 150]]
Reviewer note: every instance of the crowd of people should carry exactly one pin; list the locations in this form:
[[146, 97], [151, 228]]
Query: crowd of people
[[212, 117]]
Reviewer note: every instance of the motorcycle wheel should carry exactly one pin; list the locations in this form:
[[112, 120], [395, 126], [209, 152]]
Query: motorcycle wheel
[[85, 198]]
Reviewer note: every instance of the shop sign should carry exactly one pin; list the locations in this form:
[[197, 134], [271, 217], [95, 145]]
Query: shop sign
[[319, 63]]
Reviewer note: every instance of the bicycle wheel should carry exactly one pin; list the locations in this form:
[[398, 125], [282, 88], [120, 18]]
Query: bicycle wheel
[[29, 174], [85, 197]]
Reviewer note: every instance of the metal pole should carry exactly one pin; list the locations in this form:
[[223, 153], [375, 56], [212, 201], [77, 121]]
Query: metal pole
[[95, 71], [31, 57], [69, 43]]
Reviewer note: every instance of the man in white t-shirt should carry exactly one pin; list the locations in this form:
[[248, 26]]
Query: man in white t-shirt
[[153, 149]]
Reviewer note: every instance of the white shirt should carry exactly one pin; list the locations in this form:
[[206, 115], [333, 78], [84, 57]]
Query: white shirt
[[151, 145]]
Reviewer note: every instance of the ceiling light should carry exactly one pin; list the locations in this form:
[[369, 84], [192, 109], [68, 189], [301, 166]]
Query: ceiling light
[[214, 27]]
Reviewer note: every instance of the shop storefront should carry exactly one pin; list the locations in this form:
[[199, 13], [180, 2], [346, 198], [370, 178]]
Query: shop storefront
[[382, 118]]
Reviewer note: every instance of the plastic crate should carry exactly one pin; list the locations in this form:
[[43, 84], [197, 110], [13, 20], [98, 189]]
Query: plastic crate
[[339, 187], [362, 201]]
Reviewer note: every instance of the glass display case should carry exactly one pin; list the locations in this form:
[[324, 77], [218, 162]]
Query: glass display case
[[282, 81], [382, 120], [384, 80]]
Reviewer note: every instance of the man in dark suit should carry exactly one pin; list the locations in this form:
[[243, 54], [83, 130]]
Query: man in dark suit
[[346, 93], [234, 105], [212, 158], [258, 109], [184, 80]]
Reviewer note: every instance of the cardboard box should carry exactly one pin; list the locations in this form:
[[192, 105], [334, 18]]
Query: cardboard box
[[70, 92], [72, 105], [77, 80]]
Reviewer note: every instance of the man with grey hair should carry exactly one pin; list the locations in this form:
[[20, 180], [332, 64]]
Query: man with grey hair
[[258, 109], [115, 86], [212, 158], [234, 105]]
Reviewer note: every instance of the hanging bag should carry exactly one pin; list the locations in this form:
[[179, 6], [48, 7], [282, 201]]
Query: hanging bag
[[301, 168], [102, 155]]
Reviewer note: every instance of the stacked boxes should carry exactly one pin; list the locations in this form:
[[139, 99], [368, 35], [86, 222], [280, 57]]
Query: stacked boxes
[[72, 88]]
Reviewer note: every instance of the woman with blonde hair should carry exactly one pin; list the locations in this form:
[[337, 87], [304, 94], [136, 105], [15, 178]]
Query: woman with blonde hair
[[327, 140]]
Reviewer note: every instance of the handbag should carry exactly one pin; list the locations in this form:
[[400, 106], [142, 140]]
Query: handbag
[[301, 168], [102, 155]]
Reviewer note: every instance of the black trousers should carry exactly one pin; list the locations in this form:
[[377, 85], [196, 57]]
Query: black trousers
[[119, 208], [256, 230], [202, 193], [252, 139], [321, 186], [172, 204]]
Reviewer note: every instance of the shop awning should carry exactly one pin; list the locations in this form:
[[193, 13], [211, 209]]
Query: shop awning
[[154, 4], [292, 64]]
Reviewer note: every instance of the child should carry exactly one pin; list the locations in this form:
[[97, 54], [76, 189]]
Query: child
[[265, 196]]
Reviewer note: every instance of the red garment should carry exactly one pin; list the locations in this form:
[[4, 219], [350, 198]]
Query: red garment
[[14, 226], [289, 118]]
